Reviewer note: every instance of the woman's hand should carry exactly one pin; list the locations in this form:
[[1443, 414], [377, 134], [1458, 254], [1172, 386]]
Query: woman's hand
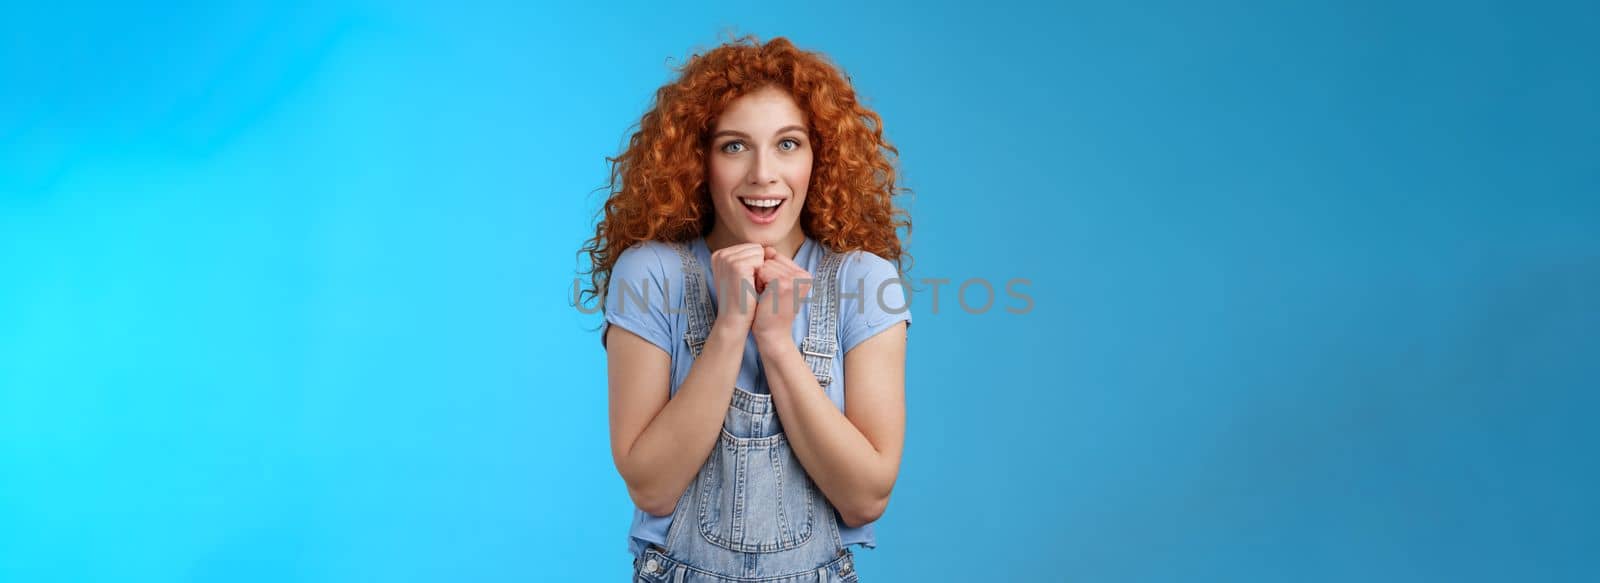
[[786, 284], [734, 268]]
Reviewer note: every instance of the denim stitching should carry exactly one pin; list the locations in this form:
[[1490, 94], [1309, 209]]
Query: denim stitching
[[820, 349], [836, 563], [696, 300], [820, 345]]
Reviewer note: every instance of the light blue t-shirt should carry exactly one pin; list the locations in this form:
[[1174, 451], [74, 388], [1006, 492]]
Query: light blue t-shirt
[[655, 312]]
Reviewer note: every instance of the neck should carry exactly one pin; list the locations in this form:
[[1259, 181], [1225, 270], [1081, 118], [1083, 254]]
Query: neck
[[789, 245]]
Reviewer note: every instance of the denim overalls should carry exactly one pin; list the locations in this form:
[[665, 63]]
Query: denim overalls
[[752, 513]]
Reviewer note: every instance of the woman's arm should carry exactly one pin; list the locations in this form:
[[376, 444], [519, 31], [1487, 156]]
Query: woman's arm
[[854, 456], [659, 442]]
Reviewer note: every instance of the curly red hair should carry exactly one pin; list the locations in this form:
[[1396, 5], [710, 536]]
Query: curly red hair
[[659, 187]]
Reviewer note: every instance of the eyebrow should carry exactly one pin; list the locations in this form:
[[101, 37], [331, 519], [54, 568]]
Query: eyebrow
[[747, 136]]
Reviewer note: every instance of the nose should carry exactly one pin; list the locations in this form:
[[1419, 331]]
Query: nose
[[764, 170]]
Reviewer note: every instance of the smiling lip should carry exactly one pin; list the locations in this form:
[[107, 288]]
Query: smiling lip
[[758, 219]]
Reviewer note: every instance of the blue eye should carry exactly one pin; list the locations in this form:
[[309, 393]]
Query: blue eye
[[795, 144], [726, 147]]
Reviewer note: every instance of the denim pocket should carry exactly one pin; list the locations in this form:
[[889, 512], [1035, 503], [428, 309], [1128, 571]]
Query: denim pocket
[[755, 497], [750, 415]]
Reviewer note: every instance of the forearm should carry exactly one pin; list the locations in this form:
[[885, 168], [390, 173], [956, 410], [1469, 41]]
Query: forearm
[[845, 465], [670, 451]]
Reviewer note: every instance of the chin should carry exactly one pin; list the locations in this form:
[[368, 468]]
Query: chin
[[770, 237], [763, 236]]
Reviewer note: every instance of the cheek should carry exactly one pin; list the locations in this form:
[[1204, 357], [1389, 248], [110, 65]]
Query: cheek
[[724, 176], [799, 175]]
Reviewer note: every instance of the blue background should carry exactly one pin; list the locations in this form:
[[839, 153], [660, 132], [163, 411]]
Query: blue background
[[285, 289]]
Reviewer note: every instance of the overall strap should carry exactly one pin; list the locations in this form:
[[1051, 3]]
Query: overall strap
[[696, 299], [821, 344]]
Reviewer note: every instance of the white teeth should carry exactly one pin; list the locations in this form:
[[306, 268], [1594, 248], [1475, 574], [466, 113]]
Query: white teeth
[[761, 203]]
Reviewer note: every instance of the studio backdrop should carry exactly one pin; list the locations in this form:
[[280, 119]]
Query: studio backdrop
[[1249, 291]]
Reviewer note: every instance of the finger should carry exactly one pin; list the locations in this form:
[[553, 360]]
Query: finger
[[788, 261], [735, 249], [792, 263], [770, 270], [802, 281], [783, 269], [738, 252], [760, 277], [793, 270], [751, 262]]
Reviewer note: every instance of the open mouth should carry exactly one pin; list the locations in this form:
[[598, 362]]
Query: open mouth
[[762, 210]]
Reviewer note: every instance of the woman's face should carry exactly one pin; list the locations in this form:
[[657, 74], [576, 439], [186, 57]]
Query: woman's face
[[760, 155]]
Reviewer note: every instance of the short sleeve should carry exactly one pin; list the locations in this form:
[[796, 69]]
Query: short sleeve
[[872, 298], [636, 297]]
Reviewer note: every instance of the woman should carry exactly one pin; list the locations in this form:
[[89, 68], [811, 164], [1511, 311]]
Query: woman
[[745, 456]]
